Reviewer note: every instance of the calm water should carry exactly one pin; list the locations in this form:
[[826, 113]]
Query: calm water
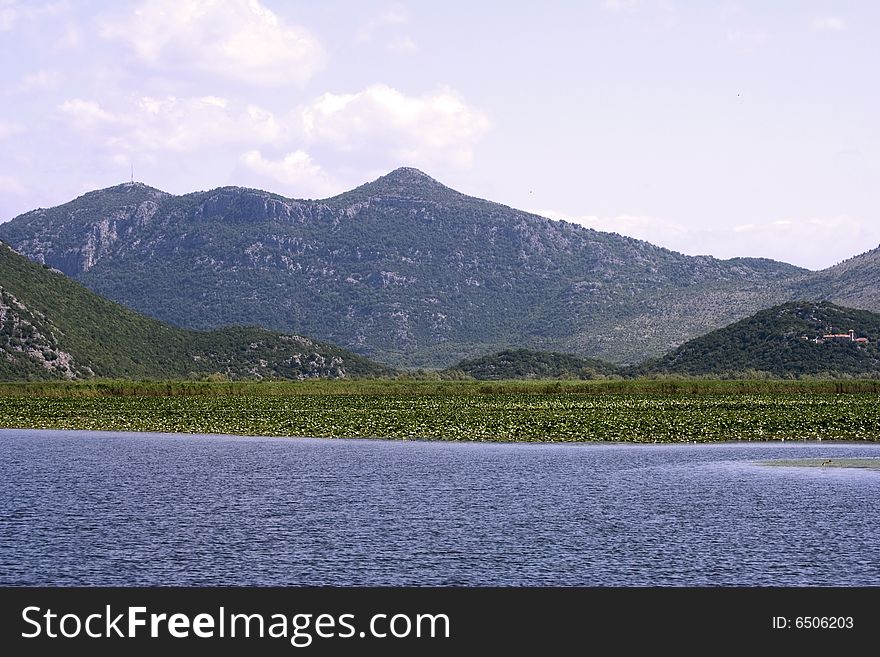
[[82, 508]]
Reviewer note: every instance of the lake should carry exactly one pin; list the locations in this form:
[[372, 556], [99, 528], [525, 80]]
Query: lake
[[102, 508]]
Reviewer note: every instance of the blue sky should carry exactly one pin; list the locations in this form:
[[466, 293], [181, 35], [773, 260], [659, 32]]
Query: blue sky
[[728, 128]]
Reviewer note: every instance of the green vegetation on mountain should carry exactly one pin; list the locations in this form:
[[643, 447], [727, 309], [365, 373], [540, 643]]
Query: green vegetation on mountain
[[855, 282], [786, 340], [527, 364], [53, 327], [403, 269]]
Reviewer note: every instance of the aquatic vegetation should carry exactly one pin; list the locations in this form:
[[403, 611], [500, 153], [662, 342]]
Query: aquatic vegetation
[[460, 413]]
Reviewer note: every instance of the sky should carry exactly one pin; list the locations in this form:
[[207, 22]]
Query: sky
[[722, 128]]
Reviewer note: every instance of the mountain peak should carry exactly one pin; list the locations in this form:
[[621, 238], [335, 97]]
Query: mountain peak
[[409, 175], [404, 182], [129, 189], [407, 181]]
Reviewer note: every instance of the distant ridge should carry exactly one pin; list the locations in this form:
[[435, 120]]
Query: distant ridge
[[853, 282], [52, 327], [528, 364], [408, 271]]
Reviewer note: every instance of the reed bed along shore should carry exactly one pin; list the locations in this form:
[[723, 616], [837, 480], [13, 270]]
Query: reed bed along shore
[[539, 411]]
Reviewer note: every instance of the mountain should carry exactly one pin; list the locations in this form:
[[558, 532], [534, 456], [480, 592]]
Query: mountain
[[527, 364], [403, 269], [787, 340], [53, 327], [854, 282]]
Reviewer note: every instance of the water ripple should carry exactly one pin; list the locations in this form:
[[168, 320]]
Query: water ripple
[[96, 508]]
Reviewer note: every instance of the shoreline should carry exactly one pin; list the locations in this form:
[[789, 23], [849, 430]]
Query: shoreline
[[573, 443], [805, 462]]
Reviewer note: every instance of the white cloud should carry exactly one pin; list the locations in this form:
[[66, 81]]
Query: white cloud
[[174, 124], [402, 44], [813, 242], [11, 185], [300, 176], [378, 126], [619, 5], [188, 124], [433, 129], [350, 136], [41, 80], [71, 38], [237, 39], [8, 15], [7, 129], [395, 15], [86, 114], [12, 11], [643, 227], [747, 40], [829, 24]]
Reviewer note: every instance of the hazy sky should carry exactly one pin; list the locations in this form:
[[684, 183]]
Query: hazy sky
[[728, 128]]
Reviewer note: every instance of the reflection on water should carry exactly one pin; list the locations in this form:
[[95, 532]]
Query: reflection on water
[[84, 508]]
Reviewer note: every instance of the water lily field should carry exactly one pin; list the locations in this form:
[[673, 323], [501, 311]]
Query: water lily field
[[447, 411]]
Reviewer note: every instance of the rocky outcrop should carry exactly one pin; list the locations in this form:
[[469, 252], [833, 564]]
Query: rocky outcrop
[[26, 335]]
